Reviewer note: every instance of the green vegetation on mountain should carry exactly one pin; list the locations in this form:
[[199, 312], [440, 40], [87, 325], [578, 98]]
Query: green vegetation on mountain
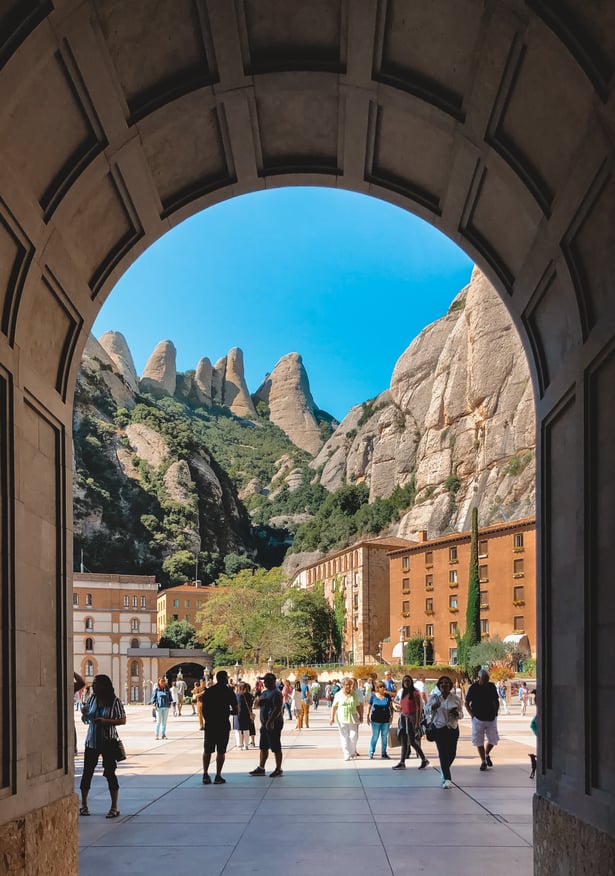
[[347, 514]]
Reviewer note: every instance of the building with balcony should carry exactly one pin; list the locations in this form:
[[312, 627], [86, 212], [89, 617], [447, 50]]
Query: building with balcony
[[361, 571], [429, 588]]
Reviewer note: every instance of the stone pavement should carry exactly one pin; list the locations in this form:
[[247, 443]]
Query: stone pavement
[[358, 817]]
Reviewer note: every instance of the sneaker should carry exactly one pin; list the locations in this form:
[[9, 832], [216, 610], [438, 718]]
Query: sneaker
[[206, 779], [258, 771], [488, 761], [348, 757], [164, 736], [371, 757], [385, 756], [483, 767], [399, 766], [219, 781], [276, 773], [446, 784], [424, 763]]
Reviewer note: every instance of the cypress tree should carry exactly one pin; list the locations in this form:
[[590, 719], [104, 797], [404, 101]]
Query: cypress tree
[[472, 635]]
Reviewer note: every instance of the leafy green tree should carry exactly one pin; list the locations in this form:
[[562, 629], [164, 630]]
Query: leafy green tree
[[234, 563], [414, 653], [178, 634], [339, 612], [179, 567]]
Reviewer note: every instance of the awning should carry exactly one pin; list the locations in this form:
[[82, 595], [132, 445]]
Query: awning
[[520, 640]]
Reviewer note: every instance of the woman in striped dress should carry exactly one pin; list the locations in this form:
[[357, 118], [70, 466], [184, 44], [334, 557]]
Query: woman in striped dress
[[103, 712]]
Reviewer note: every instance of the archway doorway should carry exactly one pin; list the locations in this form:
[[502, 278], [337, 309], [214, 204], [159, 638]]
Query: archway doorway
[[492, 122]]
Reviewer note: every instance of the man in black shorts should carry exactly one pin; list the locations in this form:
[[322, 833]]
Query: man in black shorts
[[219, 703], [270, 702]]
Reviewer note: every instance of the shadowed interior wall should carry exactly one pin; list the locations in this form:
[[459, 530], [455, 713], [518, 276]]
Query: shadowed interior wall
[[492, 119]]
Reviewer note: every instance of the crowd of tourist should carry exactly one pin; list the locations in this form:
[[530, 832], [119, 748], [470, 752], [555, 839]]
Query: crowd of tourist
[[399, 715]]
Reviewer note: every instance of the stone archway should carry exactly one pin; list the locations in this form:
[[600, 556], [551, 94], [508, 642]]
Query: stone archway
[[492, 120]]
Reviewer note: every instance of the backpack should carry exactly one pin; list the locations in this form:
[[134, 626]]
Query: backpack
[[334, 689]]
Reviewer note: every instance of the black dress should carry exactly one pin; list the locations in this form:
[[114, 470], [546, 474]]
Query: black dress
[[241, 721]]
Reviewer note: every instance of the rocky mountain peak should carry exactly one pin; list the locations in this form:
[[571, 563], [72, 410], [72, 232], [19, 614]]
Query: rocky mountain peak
[[160, 374], [286, 392], [236, 395], [114, 344]]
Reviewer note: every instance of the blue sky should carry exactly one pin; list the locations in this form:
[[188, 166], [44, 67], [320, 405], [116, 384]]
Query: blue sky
[[343, 279]]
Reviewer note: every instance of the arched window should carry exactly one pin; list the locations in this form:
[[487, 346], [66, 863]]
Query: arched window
[[134, 643], [134, 669], [89, 623], [89, 645], [89, 669], [88, 599], [135, 625]]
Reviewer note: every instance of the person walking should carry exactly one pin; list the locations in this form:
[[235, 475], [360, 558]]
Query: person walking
[[181, 692], [219, 703], [103, 712], [161, 701], [241, 721], [297, 705], [502, 696], [348, 710], [174, 699], [524, 696], [306, 702], [445, 709], [410, 705], [287, 698], [197, 695], [315, 692], [269, 701], [379, 717], [482, 702], [389, 684]]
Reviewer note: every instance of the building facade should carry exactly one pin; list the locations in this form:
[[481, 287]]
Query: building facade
[[181, 603], [112, 615], [361, 572], [429, 589]]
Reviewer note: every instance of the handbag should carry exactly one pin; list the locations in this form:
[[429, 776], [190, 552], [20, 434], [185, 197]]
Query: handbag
[[394, 740], [429, 731], [116, 749]]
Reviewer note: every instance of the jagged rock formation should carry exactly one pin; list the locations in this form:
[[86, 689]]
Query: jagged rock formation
[[458, 417], [235, 394], [114, 343], [160, 375], [102, 370], [286, 392], [202, 382], [217, 381]]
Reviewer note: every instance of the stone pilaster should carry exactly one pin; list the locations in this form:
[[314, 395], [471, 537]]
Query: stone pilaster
[[43, 842]]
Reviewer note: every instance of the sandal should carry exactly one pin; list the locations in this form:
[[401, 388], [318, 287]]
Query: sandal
[[112, 813], [84, 811]]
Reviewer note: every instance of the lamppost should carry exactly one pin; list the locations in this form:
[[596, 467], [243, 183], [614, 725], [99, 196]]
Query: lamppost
[[402, 644], [425, 643], [270, 664], [237, 667]]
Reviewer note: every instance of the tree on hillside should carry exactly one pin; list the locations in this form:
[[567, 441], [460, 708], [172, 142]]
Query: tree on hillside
[[472, 635]]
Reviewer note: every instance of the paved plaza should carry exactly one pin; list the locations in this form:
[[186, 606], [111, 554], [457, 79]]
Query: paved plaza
[[324, 814]]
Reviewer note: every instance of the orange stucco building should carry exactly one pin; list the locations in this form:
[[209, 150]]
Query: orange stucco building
[[182, 603], [362, 572], [429, 588]]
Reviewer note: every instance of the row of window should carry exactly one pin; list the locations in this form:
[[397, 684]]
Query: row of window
[[134, 624], [88, 669], [453, 576], [89, 644], [518, 627], [89, 601], [453, 601], [199, 603], [453, 552]]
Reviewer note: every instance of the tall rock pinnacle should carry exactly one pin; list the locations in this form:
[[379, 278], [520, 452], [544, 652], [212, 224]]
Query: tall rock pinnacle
[[291, 407], [160, 375], [114, 344], [235, 394]]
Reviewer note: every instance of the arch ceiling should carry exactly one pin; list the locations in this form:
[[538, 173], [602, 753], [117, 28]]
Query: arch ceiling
[[492, 119]]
